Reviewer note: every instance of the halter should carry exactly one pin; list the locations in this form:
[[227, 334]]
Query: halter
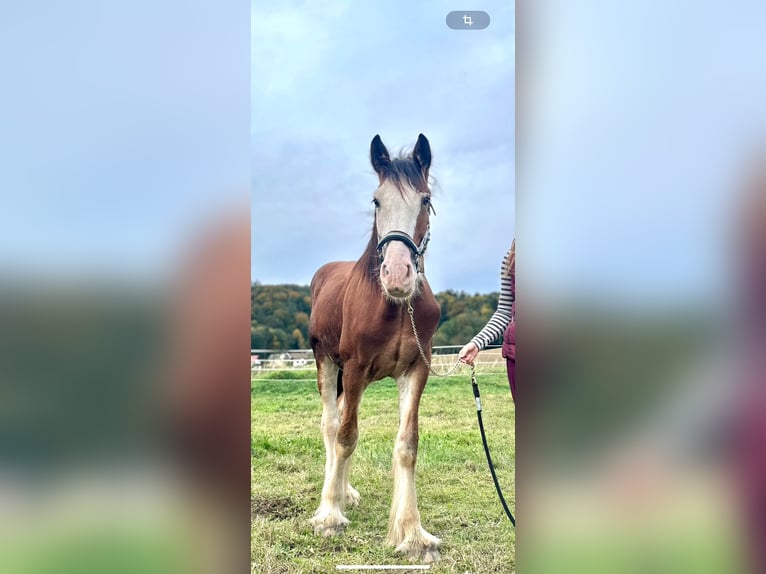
[[417, 250]]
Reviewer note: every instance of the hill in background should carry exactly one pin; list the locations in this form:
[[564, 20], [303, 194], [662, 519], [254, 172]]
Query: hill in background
[[279, 316]]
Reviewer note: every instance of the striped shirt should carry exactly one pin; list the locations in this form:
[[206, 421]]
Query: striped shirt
[[497, 323]]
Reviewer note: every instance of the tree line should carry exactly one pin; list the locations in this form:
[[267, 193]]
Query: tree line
[[279, 316]]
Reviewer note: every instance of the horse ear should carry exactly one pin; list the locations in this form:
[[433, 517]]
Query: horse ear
[[379, 156], [422, 153]]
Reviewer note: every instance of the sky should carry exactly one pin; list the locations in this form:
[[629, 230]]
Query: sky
[[642, 119], [326, 78], [123, 127]]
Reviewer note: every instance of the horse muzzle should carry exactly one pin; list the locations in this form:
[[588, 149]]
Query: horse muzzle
[[398, 271]]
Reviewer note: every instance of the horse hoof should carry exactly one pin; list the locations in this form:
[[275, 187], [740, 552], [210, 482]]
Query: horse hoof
[[430, 555], [329, 531], [329, 524], [352, 496], [424, 548], [422, 554]]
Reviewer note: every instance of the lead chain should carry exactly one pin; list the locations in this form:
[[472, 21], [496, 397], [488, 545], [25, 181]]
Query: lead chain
[[452, 369]]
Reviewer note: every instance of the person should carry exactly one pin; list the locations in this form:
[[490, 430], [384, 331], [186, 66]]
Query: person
[[500, 323]]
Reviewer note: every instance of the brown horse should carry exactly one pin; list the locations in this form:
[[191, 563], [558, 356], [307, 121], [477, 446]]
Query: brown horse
[[360, 332]]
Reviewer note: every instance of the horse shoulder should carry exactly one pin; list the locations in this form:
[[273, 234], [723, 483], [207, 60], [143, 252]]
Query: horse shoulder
[[327, 291]]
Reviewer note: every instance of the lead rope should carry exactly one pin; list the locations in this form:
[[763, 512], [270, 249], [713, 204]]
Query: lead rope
[[450, 370], [477, 396]]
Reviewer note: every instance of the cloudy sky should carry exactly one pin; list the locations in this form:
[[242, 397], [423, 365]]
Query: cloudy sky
[[642, 118], [327, 77]]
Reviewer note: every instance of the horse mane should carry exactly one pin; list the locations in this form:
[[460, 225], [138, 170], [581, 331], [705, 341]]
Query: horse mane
[[370, 260]]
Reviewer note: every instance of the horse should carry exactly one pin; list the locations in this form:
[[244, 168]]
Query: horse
[[360, 332]]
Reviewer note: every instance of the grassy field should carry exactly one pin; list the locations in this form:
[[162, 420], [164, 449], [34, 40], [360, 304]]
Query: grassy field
[[456, 497]]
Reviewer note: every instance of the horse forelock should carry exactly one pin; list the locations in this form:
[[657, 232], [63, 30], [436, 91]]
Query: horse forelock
[[403, 170]]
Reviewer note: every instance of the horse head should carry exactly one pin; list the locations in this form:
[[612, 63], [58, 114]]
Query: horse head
[[402, 212]]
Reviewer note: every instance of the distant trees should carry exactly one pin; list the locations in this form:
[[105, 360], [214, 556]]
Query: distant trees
[[463, 315], [279, 316]]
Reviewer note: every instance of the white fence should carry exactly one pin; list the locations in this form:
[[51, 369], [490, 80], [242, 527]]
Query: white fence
[[442, 357]]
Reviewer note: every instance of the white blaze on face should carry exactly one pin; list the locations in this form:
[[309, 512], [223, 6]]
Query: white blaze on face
[[397, 211]]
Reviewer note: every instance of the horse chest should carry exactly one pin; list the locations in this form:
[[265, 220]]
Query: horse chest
[[384, 346], [374, 336], [392, 360]]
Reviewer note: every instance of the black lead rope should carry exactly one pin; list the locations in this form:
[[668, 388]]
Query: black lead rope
[[476, 394]]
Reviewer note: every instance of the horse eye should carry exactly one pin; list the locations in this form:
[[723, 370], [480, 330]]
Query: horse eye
[[376, 203], [426, 200]]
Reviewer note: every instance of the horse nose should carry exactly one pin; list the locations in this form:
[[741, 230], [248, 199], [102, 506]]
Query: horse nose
[[401, 271]]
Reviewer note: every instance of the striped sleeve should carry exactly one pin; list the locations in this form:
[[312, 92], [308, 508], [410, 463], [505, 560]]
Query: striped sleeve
[[497, 323]]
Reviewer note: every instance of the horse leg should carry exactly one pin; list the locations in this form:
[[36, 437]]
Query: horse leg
[[404, 529], [329, 511], [340, 442], [352, 494]]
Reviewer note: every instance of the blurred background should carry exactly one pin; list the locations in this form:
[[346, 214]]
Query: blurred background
[[124, 286], [640, 198]]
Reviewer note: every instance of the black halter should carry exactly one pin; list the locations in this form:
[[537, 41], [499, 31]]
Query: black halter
[[417, 250]]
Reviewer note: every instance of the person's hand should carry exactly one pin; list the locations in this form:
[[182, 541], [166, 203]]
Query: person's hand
[[468, 353]]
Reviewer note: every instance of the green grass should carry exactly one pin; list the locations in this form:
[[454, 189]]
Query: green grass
[[302, 374], [456, 497]]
